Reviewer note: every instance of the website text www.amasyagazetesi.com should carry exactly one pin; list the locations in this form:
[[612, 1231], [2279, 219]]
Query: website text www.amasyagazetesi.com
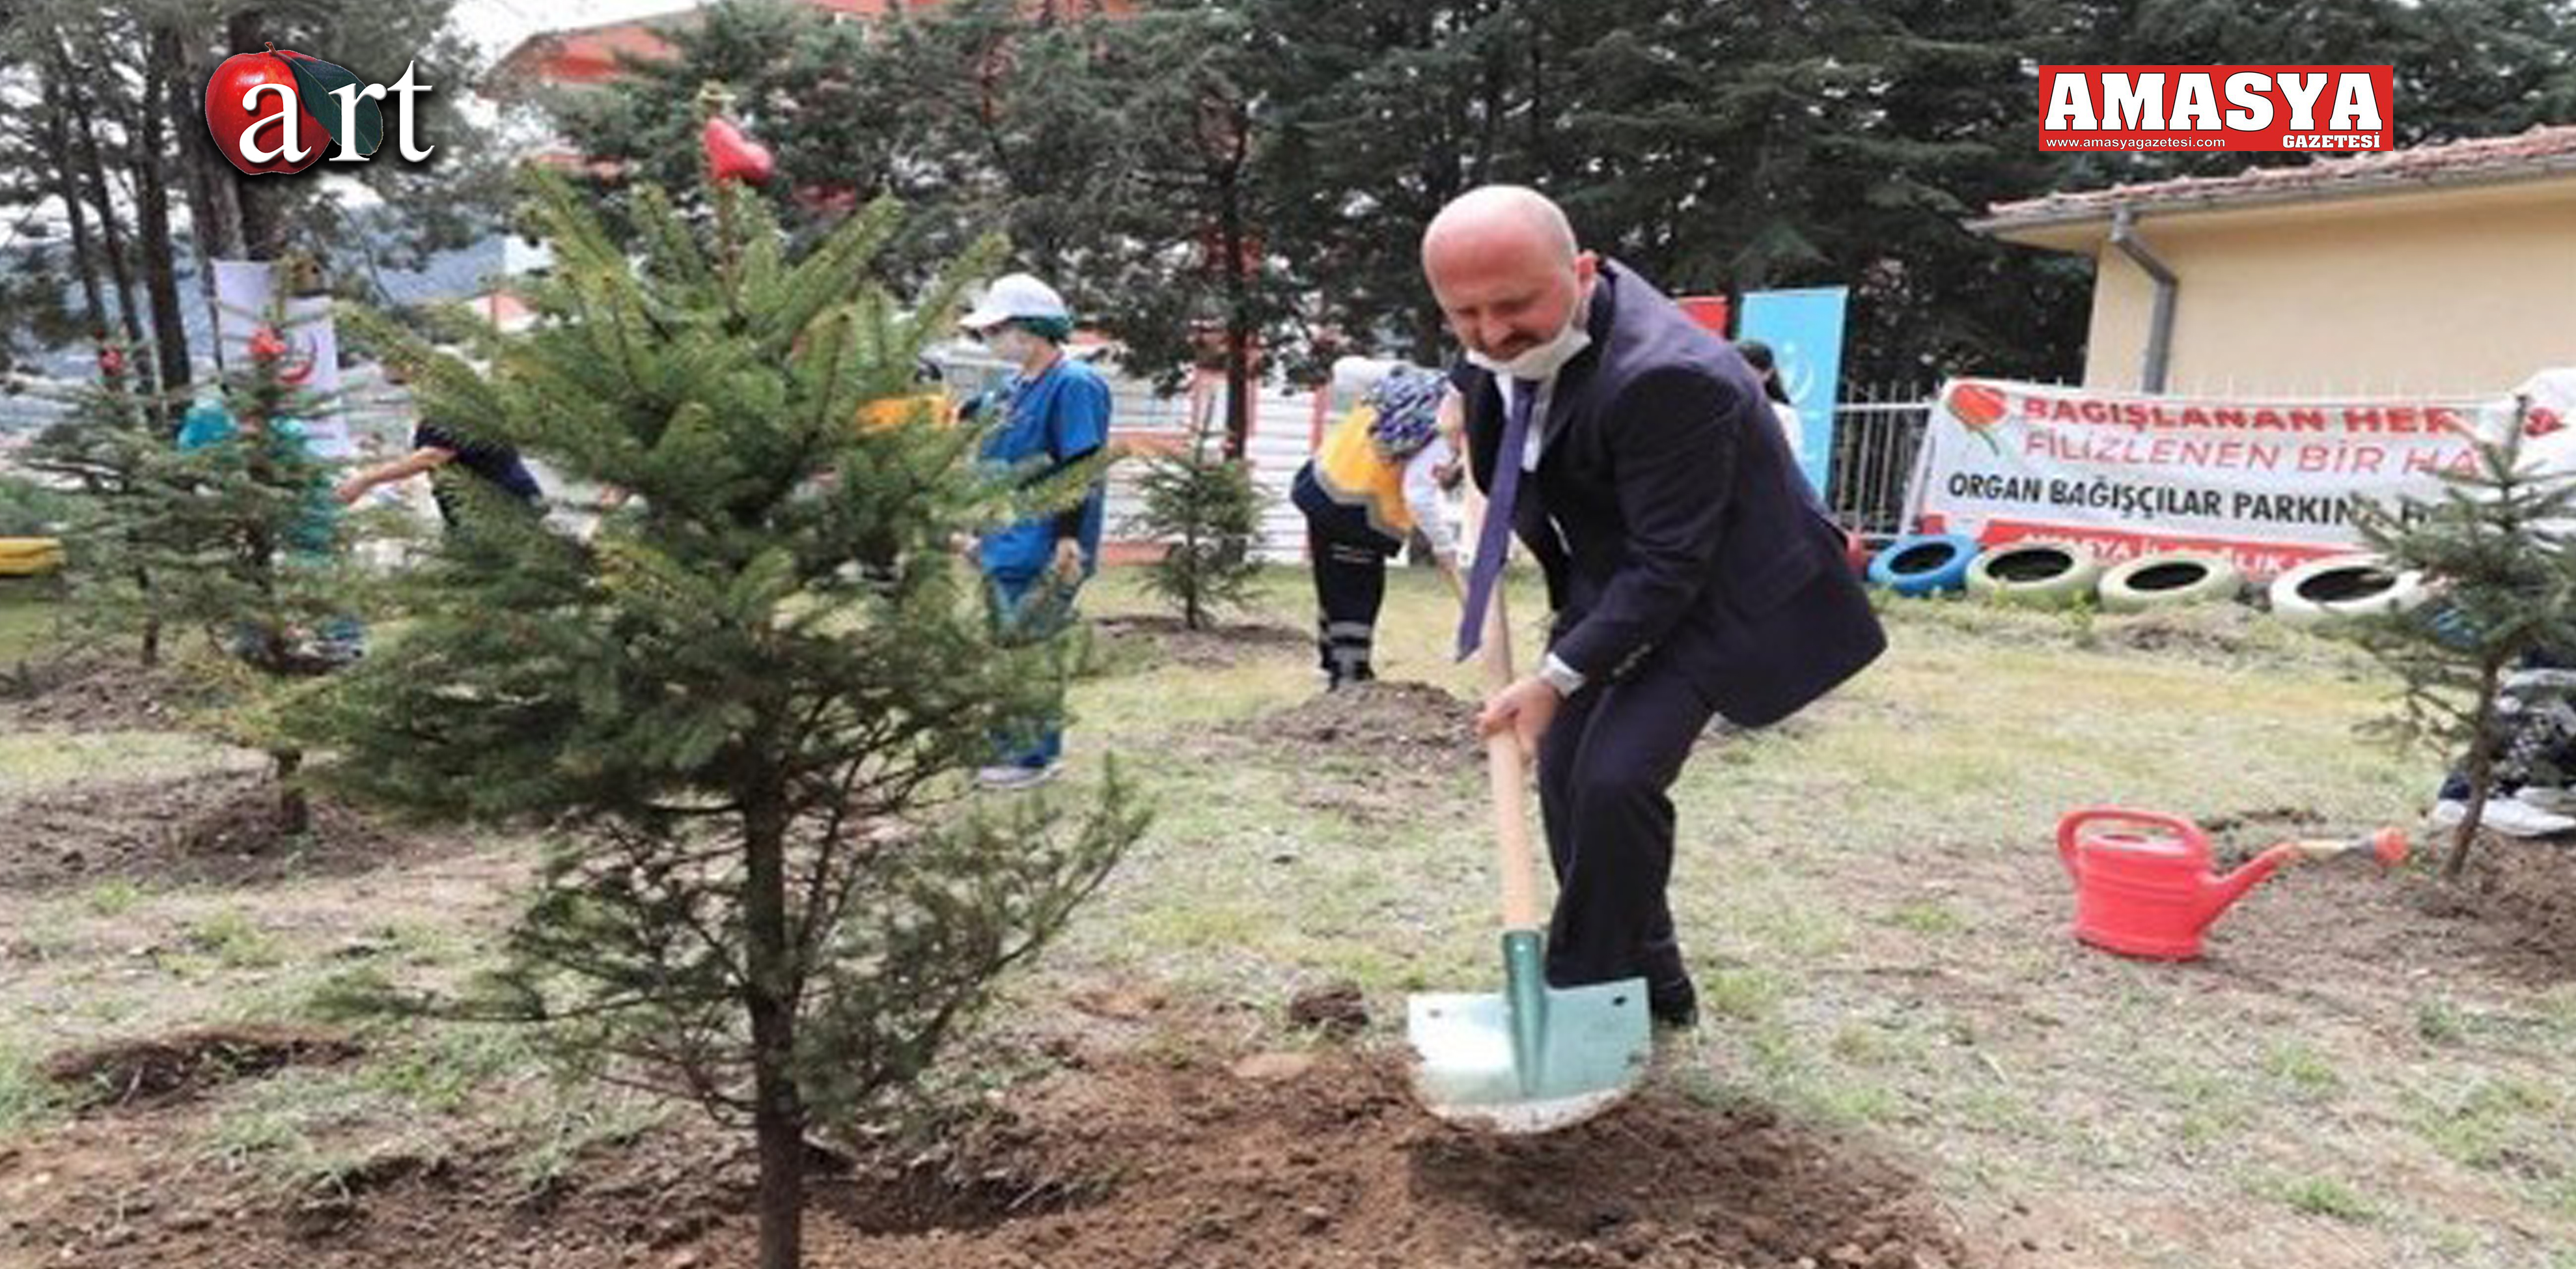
[[2133, 143]]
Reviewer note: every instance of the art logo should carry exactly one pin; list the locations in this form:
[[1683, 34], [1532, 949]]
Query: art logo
[[280, 111], [2215, 107]]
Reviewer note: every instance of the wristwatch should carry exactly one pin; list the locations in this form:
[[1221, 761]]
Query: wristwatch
[[1557, 674]]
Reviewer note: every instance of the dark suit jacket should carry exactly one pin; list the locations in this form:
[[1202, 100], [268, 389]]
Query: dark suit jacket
[[1671, 522]]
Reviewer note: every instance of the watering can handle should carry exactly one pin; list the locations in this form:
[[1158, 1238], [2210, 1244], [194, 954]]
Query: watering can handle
[[2068, 829]]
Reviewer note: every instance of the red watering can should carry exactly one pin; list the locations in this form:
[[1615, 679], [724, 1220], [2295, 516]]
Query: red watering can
[[2143, 885]]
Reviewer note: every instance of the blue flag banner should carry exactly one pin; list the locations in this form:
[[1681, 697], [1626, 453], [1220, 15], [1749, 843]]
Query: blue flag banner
[[1805, 331]]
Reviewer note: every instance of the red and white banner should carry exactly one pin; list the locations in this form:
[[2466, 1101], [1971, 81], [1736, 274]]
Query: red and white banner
[[2270, 483], [2215, 107]]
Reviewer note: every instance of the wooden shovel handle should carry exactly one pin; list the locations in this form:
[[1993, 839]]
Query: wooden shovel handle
[[1508, 774]]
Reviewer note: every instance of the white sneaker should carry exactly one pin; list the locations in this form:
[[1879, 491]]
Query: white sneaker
[[1015, 776], [2554, 801], [2515, 818], [2448, 813]]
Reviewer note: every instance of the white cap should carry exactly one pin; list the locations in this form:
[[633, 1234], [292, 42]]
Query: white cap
[[1015, 295]]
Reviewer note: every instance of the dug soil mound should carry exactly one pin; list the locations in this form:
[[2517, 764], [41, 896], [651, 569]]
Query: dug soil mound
[[1269, 1162], [1164, 639], [1402, 725], [1377, 754], [2530, 888], [93, 696], [2226, 630], [211, 829], [171, 1068]]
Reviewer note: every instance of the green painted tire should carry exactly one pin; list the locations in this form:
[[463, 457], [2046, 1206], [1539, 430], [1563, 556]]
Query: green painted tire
[[2035, 575], [2343, 586], [2171, 580]]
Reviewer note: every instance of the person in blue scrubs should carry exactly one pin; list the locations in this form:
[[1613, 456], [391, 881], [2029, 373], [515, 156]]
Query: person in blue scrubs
[[1054, 414], [311, 539]]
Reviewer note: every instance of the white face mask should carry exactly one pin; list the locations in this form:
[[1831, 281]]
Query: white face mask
[[1546, 359], [1009, 344]]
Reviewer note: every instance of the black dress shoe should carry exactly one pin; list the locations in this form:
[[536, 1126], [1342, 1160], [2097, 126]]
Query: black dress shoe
[[1677, 1008]]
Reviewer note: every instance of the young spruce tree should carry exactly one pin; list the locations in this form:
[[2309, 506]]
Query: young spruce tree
[[2492, 546], [1205, 510], [763, 887], [99, 450]]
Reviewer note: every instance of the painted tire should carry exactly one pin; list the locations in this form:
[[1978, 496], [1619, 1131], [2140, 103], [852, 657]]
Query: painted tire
[[2035, 574], [2171, 580], [2343, 586], [1924, 564]]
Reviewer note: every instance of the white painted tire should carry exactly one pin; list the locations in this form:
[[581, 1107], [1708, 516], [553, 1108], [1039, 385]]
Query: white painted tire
[[2035, 575], [2343, 586], [2172, 579]]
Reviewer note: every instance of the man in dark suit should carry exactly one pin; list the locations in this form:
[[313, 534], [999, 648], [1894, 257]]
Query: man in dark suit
[[1690, 566]]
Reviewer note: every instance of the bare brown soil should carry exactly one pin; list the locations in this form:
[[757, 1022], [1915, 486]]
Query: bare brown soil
[[217, 828], [1164, 639], [172, 1068], [1265, 1160]]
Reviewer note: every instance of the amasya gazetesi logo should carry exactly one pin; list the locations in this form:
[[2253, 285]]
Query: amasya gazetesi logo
[[280, 111]]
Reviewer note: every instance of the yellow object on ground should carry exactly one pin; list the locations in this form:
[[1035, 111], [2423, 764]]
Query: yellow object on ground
[[934, 407], [30, 557]]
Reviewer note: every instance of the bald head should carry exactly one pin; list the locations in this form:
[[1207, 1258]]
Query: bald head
[[1503, 263], [1500, 215]]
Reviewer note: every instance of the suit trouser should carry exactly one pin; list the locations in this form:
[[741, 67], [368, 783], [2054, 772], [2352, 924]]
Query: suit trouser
[[1604, 769]]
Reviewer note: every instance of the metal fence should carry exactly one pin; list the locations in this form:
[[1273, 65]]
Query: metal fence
[[1877, 434]]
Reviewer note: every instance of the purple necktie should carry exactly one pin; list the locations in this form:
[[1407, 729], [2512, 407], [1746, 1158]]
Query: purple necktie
[[1491, 540]]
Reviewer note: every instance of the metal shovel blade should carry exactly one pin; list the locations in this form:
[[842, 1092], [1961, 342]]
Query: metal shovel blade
[[1534, 1058]]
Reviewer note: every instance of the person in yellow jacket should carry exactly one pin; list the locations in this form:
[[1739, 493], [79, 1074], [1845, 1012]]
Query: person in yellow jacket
[[1376, 478]]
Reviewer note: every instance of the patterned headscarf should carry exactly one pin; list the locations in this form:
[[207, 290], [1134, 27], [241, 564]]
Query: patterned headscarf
[[1407, 402]]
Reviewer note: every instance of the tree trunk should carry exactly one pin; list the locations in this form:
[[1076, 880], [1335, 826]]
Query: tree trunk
[[216, 222], [85, 147], [261, 227], [2479, 770], [58, 134], [213, 202], [151, 619], [769, 994], [152, 212], [1239, 331], [294, 811]]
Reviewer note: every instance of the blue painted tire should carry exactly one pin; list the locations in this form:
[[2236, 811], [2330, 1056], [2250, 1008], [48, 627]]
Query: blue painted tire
[[1925, 564]]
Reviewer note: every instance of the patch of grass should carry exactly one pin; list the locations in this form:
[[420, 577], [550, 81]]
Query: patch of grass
[[2212, 1109], [1743, 993], [1927, 916], [113, 897], [2440, 1022], [445, 1066], [30, 615], [27, 1099], [563, 1128], [2492, 1123], [2308, 1073], [234, 941], [303, 1132], [34, 760], [2317, 1196]]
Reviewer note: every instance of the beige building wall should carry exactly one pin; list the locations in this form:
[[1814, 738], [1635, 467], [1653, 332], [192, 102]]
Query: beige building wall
[[2460, 292]]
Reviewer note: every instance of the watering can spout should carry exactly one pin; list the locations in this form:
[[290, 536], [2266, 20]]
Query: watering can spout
[[2221, 893]]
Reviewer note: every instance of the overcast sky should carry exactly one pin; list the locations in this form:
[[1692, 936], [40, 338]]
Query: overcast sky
[[496, 25]]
